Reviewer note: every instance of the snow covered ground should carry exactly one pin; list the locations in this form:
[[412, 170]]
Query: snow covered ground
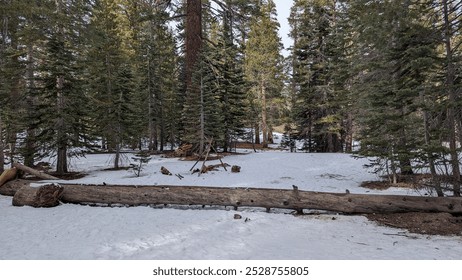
[[82, 232]]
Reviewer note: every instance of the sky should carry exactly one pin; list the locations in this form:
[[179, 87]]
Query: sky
[[283, 8]]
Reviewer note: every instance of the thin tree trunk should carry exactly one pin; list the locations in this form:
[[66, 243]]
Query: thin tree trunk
[[151, 103], [450, 87], [2, 147], [61, 165], [161, 127], [2, 60], [202, 119], [264, 117], [349, 134], [310, 131], [436, 184], [257, 133], [29, 153]]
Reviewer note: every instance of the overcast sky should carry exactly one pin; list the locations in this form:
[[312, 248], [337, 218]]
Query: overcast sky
[[283, 7]]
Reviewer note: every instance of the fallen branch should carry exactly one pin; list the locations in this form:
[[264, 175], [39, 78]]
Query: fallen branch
[[214, 167], [39, 174]]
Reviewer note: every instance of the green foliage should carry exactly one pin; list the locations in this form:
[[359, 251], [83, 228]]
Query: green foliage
[[387, 73], [319, 55], [264, 67], [141, 158], [398, 68]]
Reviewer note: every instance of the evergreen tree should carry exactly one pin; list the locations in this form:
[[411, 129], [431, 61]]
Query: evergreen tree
[[61, 107], [399, 55], [159, 80], [24, 29], [319, 47], [263, 66], [110, 75]]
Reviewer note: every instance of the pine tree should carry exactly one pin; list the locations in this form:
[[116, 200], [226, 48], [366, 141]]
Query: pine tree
[[263, 66], [160, 80], [25, 26], [399, 58], [61, 108], [110, 75], [451, 22], [318, 57]]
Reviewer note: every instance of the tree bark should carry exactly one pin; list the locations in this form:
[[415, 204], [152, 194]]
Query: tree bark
[[8, 175], [193, 37], [2, 147], [39, 174], [61, 162], [44, 196], [236, 197], [264, 116], [450, 87], [257, 197], [11, 187]]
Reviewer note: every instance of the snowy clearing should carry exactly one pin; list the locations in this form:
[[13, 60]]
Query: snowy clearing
[[82, 232]]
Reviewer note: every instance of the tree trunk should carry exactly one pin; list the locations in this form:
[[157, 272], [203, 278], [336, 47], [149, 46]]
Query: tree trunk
[[8, 175], [266, 198], [11, 187], [61, 162], [152, 108], [2, 147], [255, 197], [450, 87], [30, 149], [193, 37], [202, 119], [44, 196], [257, 133], [436, 184], [264, 117], [34, 172], [236, 197]]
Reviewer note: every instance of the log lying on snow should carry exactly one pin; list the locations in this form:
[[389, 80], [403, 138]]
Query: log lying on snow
[[256, 197], [10, 188], [43, 196], [8, 175], [39, 174], [240, 197]]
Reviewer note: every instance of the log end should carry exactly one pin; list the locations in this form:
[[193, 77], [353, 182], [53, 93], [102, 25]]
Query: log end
[[8, 175], [44, 196]]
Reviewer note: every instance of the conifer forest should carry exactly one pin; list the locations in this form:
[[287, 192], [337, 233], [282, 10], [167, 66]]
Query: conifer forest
[[379, 78]]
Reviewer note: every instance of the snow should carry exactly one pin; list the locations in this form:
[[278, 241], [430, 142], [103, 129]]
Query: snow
[[75, 232]]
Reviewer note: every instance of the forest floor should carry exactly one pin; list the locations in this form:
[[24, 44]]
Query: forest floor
[[185, 232], [422, 223]]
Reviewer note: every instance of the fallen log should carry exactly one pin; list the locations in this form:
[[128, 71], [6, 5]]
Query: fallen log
[[11, 187], [257, 197], [43, 196], [39, 174], [8, 175], [241, 197]]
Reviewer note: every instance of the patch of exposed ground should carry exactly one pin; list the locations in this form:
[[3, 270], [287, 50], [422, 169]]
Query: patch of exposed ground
[[422, 223]]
